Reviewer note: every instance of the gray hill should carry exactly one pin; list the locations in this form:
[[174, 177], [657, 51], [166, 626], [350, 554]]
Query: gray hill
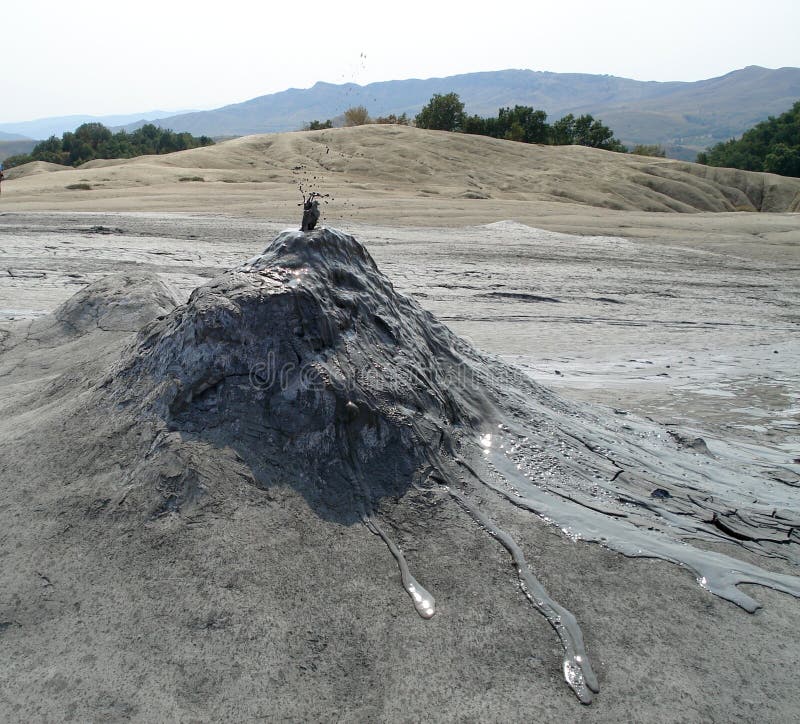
[[469, 177], [685, 117]]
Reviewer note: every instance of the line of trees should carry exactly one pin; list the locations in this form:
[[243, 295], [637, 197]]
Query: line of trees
[[93, 140], [357, 116], [772, 145], [445, 112]]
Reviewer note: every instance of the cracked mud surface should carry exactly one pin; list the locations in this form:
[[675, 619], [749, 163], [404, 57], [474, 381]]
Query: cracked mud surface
[[690, 335], [686, 337]]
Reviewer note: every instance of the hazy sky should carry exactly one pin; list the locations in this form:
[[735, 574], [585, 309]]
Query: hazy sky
[[62, 57]]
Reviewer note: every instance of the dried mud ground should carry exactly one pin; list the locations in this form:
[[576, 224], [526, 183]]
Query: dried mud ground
[[690, 320]]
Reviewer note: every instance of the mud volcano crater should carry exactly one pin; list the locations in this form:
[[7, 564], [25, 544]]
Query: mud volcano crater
[[305, 369]]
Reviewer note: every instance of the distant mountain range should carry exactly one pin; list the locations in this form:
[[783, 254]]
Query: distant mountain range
[[684, 117], [45, 127], [12, 148]]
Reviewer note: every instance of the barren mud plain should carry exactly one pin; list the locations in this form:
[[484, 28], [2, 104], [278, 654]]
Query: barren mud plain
[[634, 327]]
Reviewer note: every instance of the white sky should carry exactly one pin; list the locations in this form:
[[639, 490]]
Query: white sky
[[99, 57]]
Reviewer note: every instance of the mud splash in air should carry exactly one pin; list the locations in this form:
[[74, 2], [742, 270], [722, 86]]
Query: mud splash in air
[[314, 373]]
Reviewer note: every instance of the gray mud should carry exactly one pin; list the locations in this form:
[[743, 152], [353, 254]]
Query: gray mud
[[298, 401]]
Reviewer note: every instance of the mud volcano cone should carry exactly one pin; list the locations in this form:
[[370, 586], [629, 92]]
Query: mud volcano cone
[[309, 364], [305, 369]]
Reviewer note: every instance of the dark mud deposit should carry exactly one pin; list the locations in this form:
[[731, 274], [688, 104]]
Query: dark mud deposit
[[305, 370]]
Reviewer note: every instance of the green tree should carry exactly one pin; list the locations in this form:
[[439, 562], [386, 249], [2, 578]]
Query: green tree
[[80, 152], [119, 146], [76, 148], [735, 154], [772, 145], [584, 131], [93, 140], [522, 123], [474, 125], [562, 132], [50, 150], [93, 135], [601, 136], [783, 159], [146, 139], [319, 125], [442, 113]]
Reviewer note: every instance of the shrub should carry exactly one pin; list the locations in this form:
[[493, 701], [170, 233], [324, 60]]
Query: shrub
[[318, 125], [401, 120], [356, 116], [644, 150]]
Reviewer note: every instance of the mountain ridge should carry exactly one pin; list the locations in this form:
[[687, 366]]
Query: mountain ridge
[[683, 116], [42, 128]]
